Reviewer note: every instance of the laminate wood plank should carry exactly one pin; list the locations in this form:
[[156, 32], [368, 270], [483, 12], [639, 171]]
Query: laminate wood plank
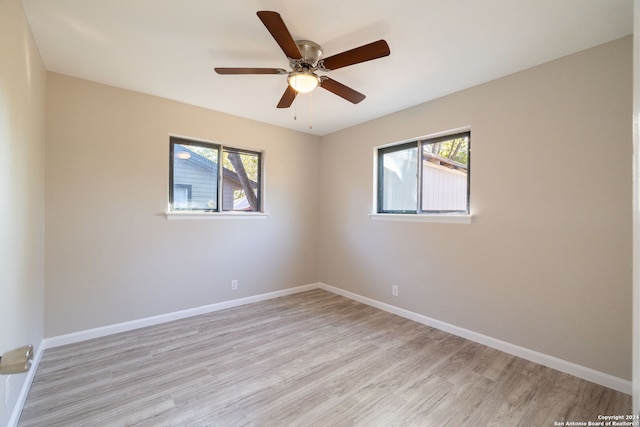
[[492, 363], [455, 407], [591, 400], [310, 359]]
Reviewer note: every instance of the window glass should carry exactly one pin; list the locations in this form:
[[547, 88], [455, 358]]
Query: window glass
[[240, 189], [399, 168], [195, 177], [445, 174]]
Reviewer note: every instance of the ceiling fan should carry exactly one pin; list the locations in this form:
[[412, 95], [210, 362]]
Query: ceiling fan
[[305, 58]]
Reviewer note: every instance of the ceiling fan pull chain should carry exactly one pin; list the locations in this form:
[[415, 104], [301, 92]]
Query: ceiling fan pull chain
[[311, 111], [295, 108]]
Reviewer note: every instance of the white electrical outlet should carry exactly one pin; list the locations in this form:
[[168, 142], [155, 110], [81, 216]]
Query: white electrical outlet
[[234, 285], [394, 290]]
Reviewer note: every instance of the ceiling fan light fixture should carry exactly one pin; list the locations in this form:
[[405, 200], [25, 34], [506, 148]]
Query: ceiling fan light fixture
[[303, 81]]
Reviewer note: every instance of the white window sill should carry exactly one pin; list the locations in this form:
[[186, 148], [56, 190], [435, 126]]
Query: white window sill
[[216, 215], [435, 218]]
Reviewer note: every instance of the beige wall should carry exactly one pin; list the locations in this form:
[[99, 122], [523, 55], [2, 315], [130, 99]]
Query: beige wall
[[22, 121], [546, 263], [112, 256]]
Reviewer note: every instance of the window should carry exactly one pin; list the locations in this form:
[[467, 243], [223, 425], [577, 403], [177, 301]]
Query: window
[[198, 183], [425, 176]]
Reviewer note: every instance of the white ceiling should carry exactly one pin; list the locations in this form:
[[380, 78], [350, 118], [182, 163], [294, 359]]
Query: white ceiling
[[169, 48]]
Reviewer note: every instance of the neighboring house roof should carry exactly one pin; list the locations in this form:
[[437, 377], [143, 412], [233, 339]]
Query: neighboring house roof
[[443, 161], [231, 175]]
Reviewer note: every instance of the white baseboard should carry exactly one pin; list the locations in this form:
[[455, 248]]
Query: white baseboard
[[88, 334], [24, 391], [561, 365]]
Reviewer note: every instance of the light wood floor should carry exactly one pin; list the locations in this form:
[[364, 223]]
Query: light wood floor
[[310, 359]]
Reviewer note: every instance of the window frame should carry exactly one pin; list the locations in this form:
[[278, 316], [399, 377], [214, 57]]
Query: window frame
[[419, 144], [219, 210]]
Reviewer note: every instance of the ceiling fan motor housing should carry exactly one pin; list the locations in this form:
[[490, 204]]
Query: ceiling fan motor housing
[[311, 54]]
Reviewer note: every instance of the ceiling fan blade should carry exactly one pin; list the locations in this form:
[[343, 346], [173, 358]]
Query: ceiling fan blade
[[341, 90], [364, 53], [280, 33], [250, 71], [287, 98]]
